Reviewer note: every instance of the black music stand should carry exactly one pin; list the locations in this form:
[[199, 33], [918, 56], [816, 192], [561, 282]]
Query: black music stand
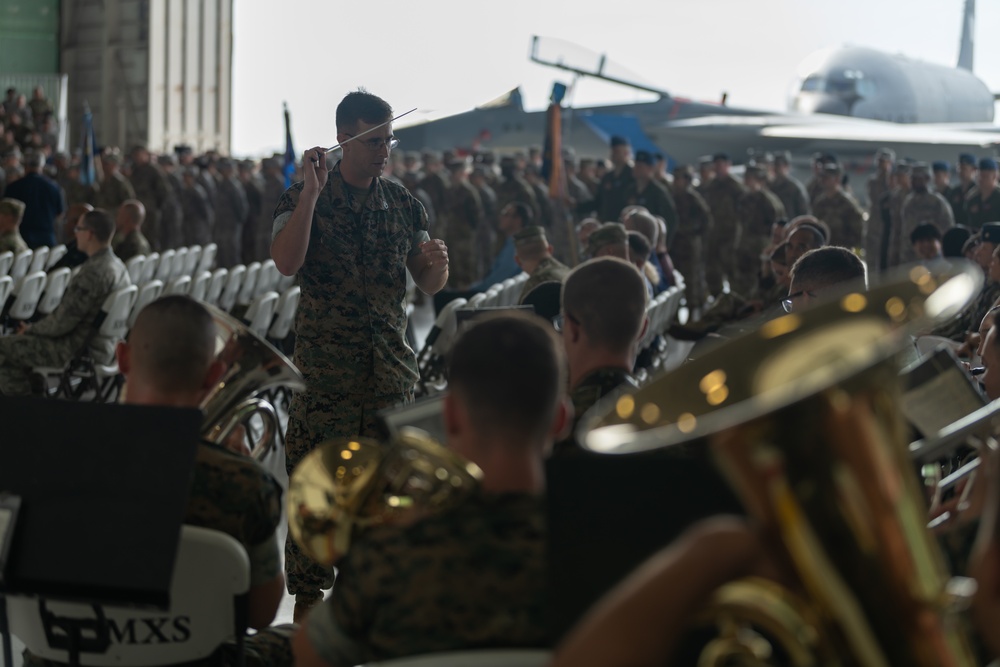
[[103, 491]]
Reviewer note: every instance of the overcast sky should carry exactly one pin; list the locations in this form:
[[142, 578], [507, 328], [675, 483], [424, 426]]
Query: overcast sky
[[451, 55]]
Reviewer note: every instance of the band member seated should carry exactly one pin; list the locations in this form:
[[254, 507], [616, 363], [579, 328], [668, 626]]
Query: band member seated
[[819, 270], [169, 359], [604, 318], [473, 576]]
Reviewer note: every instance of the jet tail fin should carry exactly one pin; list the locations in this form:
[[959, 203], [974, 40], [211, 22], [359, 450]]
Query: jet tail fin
[[965, 50]]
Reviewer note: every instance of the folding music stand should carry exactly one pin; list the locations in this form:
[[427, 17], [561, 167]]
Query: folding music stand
[[103, 490]]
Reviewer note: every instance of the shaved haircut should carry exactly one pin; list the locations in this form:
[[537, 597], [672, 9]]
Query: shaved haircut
[[644, 223], [135, 209], [825, 267], [533, 249], [173, 344], [607, 297]]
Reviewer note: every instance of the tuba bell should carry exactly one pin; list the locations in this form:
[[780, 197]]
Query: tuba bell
[[803, 419], [348, 485], [253, 367]]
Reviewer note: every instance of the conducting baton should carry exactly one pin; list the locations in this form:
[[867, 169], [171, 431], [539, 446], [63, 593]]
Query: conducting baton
[[370, 129]]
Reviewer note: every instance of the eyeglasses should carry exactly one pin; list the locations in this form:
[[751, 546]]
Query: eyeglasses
[[374, 145], [789, 303]]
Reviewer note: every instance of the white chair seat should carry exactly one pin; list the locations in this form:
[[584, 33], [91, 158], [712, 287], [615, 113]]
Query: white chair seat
[[27, 293], [55, 287], [39, 259], [249, 286], [215, 286], [134, 265], [234, 281], [260, 313], [199, 286], [149, 268], [57, 253], [180, 263], [178, 285], [22, 262], [207, 259], [192, 260], [165, 267]]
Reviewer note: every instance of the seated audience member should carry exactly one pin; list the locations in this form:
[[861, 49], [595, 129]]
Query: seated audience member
[[640, 220], [586, 227], [604, 317], [801, 239], [472, 576], [926, 242], [638, 251], [74, 256], [953, 241], [983, 253], [534, 256], [11, 212], [129, 241], [819, 270], [513, 218], [72, 326], [169, 360], [608, 240]]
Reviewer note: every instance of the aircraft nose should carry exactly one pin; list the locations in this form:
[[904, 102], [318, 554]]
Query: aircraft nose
[[821, 103]]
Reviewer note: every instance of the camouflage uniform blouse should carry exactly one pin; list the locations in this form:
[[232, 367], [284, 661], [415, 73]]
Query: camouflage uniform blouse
[[473, 577], [351, 320]]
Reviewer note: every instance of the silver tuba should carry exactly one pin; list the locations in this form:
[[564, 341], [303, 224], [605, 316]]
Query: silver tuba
[[803, 418], [253, 367]]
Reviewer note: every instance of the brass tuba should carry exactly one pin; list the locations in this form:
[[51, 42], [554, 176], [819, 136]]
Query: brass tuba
[[803, 418], [348, 485], [253, 367]]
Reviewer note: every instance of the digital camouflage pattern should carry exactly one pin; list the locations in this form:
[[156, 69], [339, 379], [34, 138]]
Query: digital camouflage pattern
[[694, 225], [758, 211], [12, 241], [842, 214], [459, 220], [792, 194], [56, 338], [979, 209], [127, 247], [723, 196], [548, 270], [114, 190], [587, 392], [919, 208], [878, 185], [656, 198], [468, 578]]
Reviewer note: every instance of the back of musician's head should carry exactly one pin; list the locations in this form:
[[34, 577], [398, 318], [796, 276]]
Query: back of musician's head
[[508, 371], [360, 105], [825, 267], [607, 298], [172, 345]]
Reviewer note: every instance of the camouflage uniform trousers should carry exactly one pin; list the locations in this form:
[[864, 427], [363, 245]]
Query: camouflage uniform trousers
[[18, 355], [316, 416], [720, 261]]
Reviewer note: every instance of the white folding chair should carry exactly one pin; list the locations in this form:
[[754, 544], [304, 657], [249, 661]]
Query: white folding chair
[[6, 287], [499, 657], [234, 281], [27, 292], [475, 302], [207, 259], [249, 284], [211, 575], [284, 313], [39, 259], [492, 296], [260, 313], [6, 261], [192, 259], [57, 253], [180, 262], [22, 261], [430, 359], [215, 286], [284, 282], [134, 266], [166, 266], [148, 293], [267, 279], [178, 285], [149, 268], [199, 285], [55, 287], [506, 289]]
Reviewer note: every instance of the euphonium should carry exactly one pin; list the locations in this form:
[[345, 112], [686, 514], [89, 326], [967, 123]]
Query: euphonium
[[253, 366], [803, 418], [347, 485]]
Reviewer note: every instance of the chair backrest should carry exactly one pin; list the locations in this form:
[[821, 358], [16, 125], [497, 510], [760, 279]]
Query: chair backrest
[[476, 301], [149, 268], [233, 283], [55, 287], [215, 286], [207, 257], [192, 259], [178, 285], [211, 571], [249, 284], [199, 285], [180, 263], [148, 293], [21, 264], [39, 259], [57, 253], [446, 324], [260, 313], [116, 309], [267, 279], [284, 282], [28, 292], [500, 657], [134, 265], [492, 297], [6, 287], [166, 265], [6, 261], [284, 313]]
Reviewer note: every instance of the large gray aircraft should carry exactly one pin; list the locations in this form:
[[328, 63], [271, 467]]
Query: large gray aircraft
[[844, 106]]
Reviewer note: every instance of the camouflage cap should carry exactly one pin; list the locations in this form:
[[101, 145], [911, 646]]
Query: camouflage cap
[[920, 169], [783, 157], [529, 234], [166, 159], [885, 154], [610, 233], [901, 168]]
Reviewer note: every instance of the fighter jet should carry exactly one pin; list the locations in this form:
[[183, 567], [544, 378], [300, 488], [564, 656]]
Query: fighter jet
[[849, 102]]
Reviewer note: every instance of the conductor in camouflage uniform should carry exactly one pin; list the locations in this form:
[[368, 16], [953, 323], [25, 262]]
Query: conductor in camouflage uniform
[[350, 235], [983, 203], [533, 253], [922, 205], [71, 328], [723, 196]]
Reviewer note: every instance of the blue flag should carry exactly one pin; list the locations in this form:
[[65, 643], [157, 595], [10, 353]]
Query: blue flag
[[289, 166], [88, 166]]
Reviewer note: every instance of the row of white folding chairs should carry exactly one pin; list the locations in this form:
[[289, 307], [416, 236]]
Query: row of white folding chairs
[[660, 313], [171, 263], [30, 261], [34, 293], [504, 294]]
